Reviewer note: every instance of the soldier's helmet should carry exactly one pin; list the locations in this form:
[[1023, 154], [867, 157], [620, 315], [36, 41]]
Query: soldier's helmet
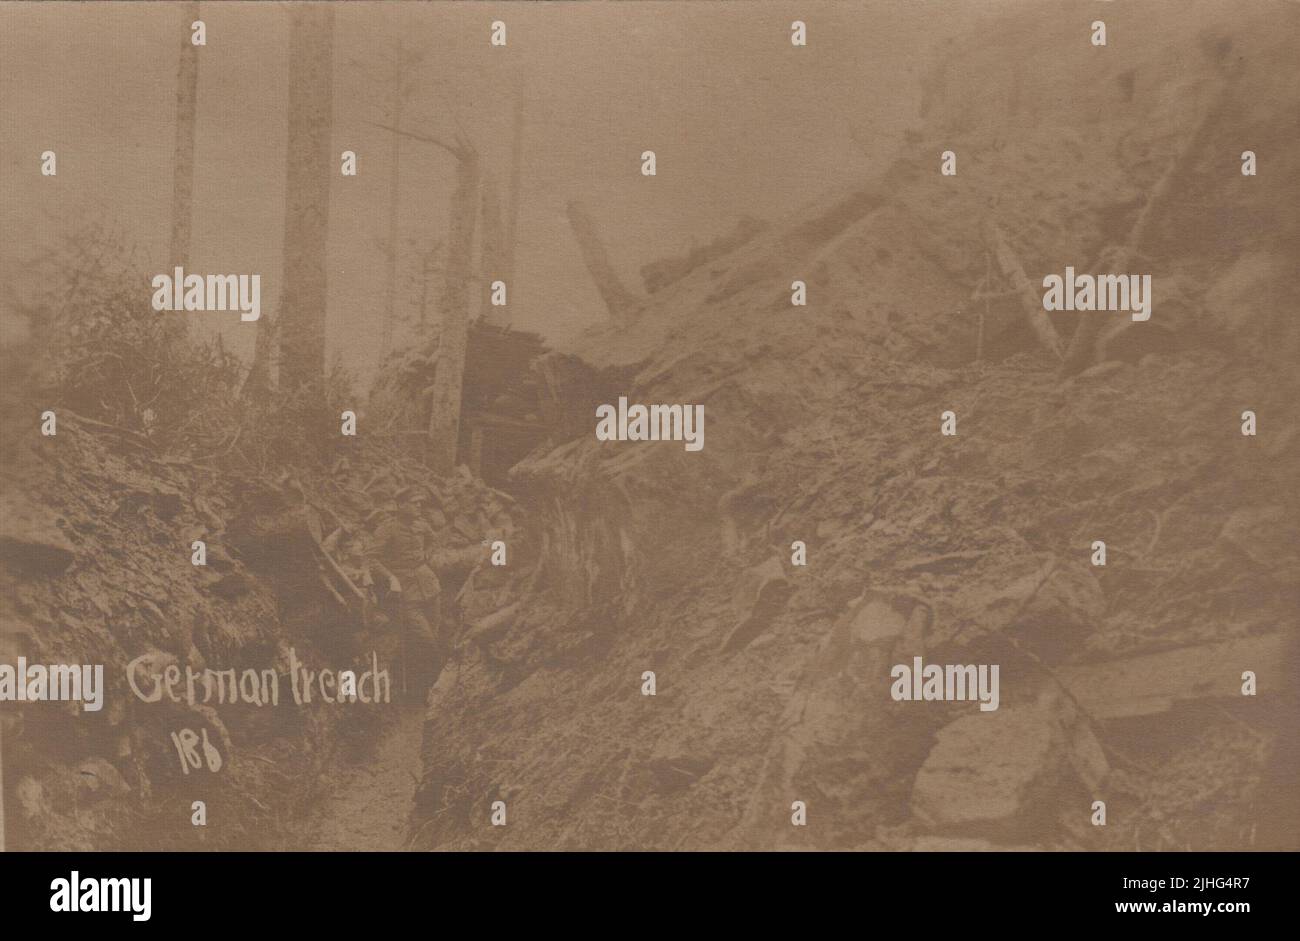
[[411, 498]]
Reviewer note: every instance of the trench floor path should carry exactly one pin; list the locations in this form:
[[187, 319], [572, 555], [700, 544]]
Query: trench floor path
[[370, 804]]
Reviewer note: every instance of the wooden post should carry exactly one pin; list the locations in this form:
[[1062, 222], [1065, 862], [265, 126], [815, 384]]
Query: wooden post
[[622, 305]]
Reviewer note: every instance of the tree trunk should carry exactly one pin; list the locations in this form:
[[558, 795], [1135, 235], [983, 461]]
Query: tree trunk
[[444, 416], [306, 196], [492, 264], [187, 90], [516, 165], [390, 299]]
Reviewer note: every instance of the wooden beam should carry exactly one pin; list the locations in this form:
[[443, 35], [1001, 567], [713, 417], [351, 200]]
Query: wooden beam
[[1030, 302], [623, 306], [1153, 683]]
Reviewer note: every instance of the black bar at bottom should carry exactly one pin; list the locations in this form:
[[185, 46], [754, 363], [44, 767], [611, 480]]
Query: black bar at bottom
[[338, 891]]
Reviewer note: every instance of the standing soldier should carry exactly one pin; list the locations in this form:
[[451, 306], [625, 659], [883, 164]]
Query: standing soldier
[[399, 553]]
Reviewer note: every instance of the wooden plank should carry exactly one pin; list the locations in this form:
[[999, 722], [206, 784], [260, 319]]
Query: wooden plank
[[1153, 683], [622, 305]]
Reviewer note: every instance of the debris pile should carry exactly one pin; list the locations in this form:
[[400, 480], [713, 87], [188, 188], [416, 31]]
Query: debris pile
[[772, 678], [100, 528]]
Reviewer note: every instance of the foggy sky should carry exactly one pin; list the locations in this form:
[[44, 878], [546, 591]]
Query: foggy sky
[[741, 121]]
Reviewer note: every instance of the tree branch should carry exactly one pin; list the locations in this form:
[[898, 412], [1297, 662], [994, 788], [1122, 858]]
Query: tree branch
[[459, 150]]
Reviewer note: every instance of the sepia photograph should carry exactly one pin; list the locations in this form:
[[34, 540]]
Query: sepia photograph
[[805, 426]]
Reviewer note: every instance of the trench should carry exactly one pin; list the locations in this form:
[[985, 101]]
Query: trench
[[368, 804]]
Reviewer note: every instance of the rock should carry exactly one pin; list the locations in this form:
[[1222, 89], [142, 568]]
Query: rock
[[877, 619], [985, 768], [891, 616], [1002, 774], [30, 538]]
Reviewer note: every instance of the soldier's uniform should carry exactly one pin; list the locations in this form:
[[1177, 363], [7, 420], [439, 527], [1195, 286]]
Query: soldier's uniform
[[401, 547]]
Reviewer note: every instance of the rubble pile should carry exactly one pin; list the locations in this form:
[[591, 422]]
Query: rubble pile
[[823, 428]]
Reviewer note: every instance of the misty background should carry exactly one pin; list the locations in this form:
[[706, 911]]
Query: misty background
[[762, 135]]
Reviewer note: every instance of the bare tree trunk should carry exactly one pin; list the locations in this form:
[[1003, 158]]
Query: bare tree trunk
[[516, 167], [623, 306], [444, 416], [492, 263], [306, 197], [187, 90], [390, 299]]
